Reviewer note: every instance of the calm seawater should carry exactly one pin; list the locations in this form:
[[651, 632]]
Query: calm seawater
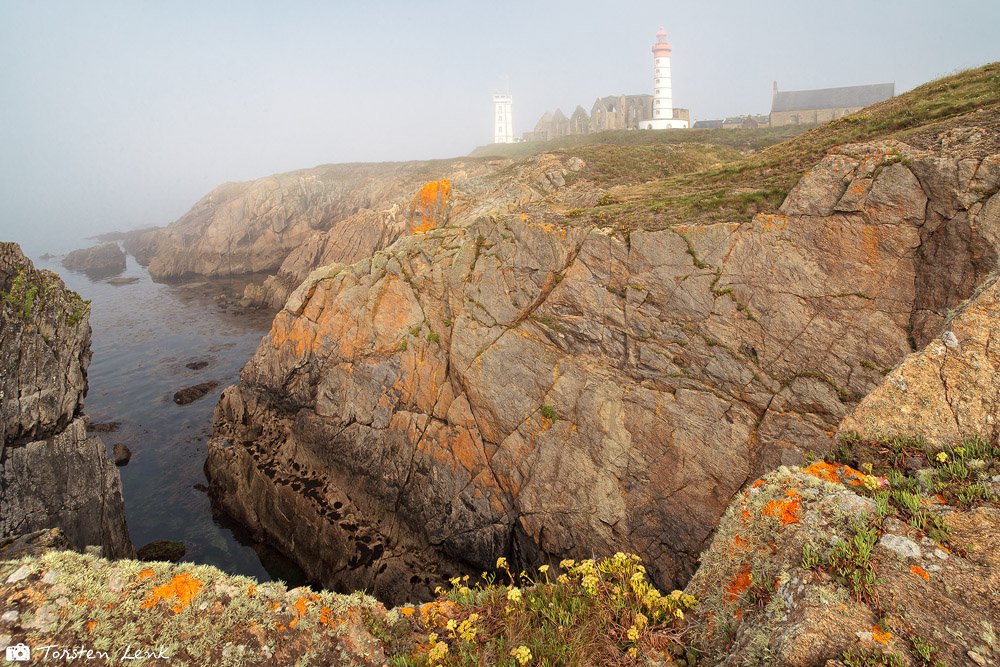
[[144, 335]]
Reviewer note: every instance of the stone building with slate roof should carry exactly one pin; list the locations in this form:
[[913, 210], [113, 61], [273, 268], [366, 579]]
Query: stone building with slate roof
[[797, 107]]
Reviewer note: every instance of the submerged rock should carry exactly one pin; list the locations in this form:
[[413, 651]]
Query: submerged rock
[[117, 282], [166, 550], [122, 454], [103, 427], [192, 394]]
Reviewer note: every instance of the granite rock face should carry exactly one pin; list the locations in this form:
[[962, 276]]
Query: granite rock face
[[65, 481], [44, 350], [105, 259], [51, 474], [505, 383]]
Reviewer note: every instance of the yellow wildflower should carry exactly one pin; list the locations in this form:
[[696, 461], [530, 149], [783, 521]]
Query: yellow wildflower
[[514, 594], [501, 563], [566, 564], [633, 633], [437, 653], [543, 569], [467, 630], [522, 654], [942, 457]]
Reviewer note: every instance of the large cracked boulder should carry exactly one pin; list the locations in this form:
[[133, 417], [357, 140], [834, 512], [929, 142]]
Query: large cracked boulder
[[508, 384], [771, 590], [52, 475]]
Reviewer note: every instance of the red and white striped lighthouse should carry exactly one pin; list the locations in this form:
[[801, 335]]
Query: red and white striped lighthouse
[[663, 98]]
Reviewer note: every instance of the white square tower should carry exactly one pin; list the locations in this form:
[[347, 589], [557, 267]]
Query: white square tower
[[503, 121]]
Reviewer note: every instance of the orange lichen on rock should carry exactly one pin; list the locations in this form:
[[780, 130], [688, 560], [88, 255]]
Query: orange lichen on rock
[[91, 626], [326, 616], [834, 473], [145, 574], [823, 470], [881, 636], [759, 482], [739, 584], [182, 589], [429, 205], [431, 609], [916, 569], [787, 511], [289, 330], [301, 605]]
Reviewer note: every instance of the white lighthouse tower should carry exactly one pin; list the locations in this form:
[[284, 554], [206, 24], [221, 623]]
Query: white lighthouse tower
[[664, 116], [503, 121]]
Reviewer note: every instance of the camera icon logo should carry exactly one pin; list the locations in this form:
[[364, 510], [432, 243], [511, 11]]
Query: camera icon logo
[[18, 653]]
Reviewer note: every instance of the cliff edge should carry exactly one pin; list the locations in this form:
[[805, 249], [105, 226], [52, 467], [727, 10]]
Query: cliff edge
[[52, 473]]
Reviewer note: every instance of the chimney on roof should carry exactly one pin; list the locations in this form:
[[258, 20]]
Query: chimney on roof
[[775, 88]]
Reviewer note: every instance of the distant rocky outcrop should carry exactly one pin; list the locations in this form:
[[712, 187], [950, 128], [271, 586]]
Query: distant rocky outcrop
[[104, 260], [52, 473], [251, 227], [506, 383]]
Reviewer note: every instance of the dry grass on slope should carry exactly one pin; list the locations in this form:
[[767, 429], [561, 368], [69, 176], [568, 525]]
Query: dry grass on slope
[[758, 183]]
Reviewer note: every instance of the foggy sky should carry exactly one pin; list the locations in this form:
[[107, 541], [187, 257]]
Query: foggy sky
[[115, 115]]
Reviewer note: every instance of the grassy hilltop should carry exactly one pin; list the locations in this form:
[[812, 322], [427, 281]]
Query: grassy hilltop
[[728, 175]]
